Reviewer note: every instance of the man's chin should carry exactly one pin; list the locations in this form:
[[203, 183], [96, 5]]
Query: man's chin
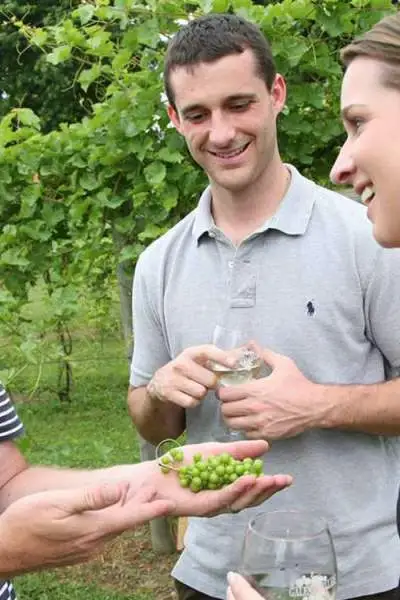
[[230, 183]]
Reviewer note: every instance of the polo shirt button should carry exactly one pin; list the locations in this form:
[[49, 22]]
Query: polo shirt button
[[211, 234], [231, 264]]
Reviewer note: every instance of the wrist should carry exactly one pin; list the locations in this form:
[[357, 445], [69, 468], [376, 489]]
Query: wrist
[[338, 403]]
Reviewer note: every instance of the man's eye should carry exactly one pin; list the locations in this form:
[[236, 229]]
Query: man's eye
[[240, 106], [195, 117]]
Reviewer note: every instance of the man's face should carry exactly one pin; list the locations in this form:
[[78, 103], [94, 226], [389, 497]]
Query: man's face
[[370, 158], [228, 118]]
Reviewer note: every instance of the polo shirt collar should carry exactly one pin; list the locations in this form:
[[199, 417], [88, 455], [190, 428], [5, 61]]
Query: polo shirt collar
[[292, 216]]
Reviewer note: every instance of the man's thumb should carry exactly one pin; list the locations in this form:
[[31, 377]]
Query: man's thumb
[[98, 497], [271, 359]]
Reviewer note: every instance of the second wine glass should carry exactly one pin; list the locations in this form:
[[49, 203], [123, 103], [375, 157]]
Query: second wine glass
[[290, 554]]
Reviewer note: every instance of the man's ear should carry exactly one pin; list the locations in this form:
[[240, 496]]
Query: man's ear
[[278, 93], [174, 118]]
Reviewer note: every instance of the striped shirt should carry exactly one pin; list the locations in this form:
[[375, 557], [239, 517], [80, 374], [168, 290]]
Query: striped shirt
[[10, 428]]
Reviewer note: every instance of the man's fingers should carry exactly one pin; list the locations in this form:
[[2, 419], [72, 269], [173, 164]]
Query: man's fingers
[[273, 359], [239, 450], [244, 449], [240, 589], [221, 500], [140, 507], [145, 512], [92, 498], [202, 354], [264, 487]]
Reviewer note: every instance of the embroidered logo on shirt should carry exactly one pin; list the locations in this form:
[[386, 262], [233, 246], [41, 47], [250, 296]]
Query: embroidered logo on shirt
[[310, 308]]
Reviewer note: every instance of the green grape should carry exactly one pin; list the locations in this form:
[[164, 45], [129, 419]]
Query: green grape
[[220, 470], [212, 473], [196, 484], [213, 478], [213, 462], [165, 470], [225, 458], [165, 459], [258, 466], [239, 469], [180, 456], [173, 452]]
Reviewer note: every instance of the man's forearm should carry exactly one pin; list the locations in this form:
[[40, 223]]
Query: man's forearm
[[155, 420], [373, 408]]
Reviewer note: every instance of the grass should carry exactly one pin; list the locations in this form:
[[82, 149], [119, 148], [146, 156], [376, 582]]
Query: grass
[[93, 430]]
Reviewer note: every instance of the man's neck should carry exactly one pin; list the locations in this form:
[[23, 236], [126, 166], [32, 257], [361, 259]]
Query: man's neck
[[239, 214]]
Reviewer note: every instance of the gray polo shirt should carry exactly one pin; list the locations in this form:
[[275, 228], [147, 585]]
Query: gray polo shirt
[[314, 285]]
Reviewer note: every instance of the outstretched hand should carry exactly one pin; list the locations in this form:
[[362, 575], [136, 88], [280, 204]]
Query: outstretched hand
[[64, 527], [246, 491]]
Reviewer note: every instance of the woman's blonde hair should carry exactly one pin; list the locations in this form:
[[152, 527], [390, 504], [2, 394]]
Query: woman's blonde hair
[[381, 42]]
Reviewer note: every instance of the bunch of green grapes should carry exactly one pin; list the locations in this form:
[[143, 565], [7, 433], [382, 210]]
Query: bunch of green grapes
[[209, 474]]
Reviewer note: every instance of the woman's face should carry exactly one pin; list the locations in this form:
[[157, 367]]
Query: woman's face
[[370, 158]]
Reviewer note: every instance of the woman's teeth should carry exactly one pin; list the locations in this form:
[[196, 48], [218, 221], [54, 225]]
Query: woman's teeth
[[367, 194]]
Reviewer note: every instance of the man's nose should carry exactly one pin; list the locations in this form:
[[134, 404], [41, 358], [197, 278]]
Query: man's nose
[[222, 131], [343, 169]]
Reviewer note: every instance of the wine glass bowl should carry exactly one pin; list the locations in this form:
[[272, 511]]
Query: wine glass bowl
[[246, 367], [290, 554]]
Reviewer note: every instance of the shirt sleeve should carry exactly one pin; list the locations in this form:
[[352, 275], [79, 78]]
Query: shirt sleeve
[[10, 424], [382, 305], [150, 351]]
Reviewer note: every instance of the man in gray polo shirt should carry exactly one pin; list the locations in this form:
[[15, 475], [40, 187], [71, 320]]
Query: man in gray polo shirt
[[295, 266]]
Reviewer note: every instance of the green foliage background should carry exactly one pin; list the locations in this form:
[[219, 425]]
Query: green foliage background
[[81, 196]]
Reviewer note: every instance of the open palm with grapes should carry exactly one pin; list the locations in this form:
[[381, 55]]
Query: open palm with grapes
[[244, 491]]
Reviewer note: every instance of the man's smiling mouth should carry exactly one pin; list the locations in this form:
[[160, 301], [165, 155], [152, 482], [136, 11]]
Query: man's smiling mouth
[[231, 153]]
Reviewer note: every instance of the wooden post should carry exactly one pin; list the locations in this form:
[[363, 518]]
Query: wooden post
[[162, 540]]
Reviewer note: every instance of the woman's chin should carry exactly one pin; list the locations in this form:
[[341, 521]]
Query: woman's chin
[[385, 238]]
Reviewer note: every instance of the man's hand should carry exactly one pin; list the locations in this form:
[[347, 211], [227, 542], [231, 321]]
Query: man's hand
[[282, 405], [239, 589], [244, 492], [186, 380], [64, 527]]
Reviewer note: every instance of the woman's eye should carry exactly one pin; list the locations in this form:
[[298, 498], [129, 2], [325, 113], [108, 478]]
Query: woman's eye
[[357, 123]]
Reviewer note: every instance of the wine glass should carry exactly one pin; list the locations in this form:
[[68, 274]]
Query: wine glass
[[290, 554], [247, 367]]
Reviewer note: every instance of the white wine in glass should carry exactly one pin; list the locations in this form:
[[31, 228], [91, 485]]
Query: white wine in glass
[[247, 367], [290, 554]]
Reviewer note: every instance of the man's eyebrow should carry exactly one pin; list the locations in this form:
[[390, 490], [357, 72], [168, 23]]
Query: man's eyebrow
[[249, 96], [347, 109]]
